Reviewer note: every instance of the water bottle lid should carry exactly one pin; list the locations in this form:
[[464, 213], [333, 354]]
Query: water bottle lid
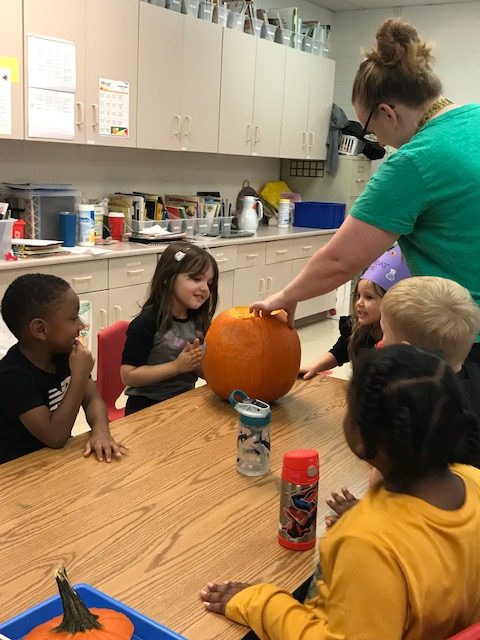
[[253, 412], [301, 466]]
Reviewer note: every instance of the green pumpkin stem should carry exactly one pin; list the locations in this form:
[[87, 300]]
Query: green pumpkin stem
[[76, 616]]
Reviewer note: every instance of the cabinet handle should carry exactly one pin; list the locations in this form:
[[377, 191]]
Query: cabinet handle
[[81, 113], [188, 132], [304, 139], [311, 138], [222, 260], [133, 272], [103, 318], [249, 133], [261, 287], [269, 284], [281, 252], [117, 311], [178, 119], [307, 247], [360, 180], [94, 115], [258, 133], [252, 255], [219, 255], [82, 279]]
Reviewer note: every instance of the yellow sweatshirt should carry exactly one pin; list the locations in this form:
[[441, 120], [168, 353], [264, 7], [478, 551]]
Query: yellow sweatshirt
[[394, 567]]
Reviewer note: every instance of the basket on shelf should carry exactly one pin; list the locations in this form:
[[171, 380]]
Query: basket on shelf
[[350, 145]]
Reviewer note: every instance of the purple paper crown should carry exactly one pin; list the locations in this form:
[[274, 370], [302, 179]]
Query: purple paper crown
[[388, 269]]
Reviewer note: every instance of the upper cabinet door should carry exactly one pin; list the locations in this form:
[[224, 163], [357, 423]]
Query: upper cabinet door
[[160, 63], [236, 99], [111, 72], [61, 20], [268, 98], [320, 106], [202, 57], [294, 135], [11, 59]]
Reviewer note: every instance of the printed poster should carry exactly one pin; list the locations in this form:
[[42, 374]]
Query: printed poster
[[114, 108], [85, 315], [5, 102], [51, 114], [51, 64]]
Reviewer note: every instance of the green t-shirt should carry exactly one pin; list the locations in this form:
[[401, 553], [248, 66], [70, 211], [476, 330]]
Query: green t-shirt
[[429, 193]]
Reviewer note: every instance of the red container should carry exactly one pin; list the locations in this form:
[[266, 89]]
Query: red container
[[298, 500], [18, 229]]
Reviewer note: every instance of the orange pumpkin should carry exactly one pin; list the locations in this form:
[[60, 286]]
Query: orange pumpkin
[[79, 622], [257, 354]]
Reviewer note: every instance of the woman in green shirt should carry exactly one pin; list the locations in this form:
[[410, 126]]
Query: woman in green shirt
[[426, 195]]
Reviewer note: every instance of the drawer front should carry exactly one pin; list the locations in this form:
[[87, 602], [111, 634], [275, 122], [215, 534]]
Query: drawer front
[[84, 276], [305, 247], [322, 240], [279, 251], [360, 177], [226, 257], [124, 272], [250, 255], [9, 275]]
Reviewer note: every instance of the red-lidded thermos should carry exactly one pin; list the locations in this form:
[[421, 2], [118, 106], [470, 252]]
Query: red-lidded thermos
[[298, 500]]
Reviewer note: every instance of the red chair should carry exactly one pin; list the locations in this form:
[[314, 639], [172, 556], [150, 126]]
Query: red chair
[[472, 633], [111, 341]]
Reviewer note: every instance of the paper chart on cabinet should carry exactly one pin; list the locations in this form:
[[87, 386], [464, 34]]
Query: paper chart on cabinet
[[5, 102], [114, 107]]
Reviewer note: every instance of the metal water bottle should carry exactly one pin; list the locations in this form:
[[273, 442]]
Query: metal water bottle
[[253, 439], [298, 500]]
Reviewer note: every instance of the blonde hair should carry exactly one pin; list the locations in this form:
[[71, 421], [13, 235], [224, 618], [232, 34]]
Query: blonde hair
[[433, 312], [397, 69]]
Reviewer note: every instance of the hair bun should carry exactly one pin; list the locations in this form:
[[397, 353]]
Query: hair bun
[[398, 43]]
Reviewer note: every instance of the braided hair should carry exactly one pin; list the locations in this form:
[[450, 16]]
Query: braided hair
[[409, 401]]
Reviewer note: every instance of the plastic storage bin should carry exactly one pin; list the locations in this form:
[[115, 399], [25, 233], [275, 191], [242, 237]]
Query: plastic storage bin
[[220, 15], [6, 230], [145, 628], [174, 5], [284, 36], [253, 26], [298, 41], [318, 215], [268, 31], [236, 21], [205, 11], [350, 145], [190, 7]]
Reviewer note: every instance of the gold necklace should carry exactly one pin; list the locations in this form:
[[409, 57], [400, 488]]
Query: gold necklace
[[437, 106]]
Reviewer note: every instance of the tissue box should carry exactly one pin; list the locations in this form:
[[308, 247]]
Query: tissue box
[[318, 215]]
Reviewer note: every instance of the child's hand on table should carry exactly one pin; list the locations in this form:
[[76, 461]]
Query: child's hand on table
[[104, 446], [340, 504], [216, 596]]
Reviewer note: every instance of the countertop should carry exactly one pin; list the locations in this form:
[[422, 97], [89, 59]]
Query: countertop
[[126, 249]]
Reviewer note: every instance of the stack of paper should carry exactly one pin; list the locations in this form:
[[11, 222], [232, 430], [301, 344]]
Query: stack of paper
[[25, 248]]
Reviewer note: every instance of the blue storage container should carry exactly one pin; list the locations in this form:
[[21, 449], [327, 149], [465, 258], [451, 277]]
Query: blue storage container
[[145, 628], [318, 215]]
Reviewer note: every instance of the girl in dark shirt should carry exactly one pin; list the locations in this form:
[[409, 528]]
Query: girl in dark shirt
[[362, 329]]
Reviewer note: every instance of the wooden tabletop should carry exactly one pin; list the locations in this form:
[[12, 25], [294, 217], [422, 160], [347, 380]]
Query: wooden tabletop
[[153, 528]]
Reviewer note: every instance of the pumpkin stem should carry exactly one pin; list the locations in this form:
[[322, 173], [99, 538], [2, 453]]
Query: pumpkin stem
[[76, 616]]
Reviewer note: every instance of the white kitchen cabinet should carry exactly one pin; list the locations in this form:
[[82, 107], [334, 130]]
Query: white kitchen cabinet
[[316, 305], [251, 101], [178, 82], [97, 319], [11, 51], [307, 105], [125, 303], [225, 291], [105, 36]]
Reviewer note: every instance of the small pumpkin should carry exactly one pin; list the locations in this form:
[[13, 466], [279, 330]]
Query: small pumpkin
[[258, 354], [80, 622]]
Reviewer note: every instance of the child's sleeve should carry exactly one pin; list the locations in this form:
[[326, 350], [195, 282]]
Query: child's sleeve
[[139, 341], [19, 394], [366, 599], [340, 348]]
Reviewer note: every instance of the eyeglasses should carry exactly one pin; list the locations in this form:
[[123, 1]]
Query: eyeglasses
[[365, 131]]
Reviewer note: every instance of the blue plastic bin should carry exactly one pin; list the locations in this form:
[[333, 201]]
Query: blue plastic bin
[[318, 215], [145, 628]]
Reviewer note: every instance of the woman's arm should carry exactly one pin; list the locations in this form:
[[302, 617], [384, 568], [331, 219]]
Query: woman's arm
[[353, 248]]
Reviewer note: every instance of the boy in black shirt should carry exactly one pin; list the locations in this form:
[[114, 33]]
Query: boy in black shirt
[[45, 377]]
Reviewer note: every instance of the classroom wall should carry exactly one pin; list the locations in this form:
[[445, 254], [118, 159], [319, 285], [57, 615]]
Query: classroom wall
[[454, 29]]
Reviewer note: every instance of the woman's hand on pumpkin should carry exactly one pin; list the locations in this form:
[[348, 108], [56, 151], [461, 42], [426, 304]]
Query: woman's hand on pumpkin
[[274, 303], [104, 446], [216, 596]]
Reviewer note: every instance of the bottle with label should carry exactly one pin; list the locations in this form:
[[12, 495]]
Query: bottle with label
[[284, 212], [298, 500], [86, 225], [253, 439]]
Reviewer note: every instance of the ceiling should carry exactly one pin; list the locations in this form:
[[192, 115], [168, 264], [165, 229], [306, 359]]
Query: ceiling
[[351, 5]]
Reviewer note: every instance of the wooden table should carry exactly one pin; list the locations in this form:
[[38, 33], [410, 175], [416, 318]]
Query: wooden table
[[155, 527]]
